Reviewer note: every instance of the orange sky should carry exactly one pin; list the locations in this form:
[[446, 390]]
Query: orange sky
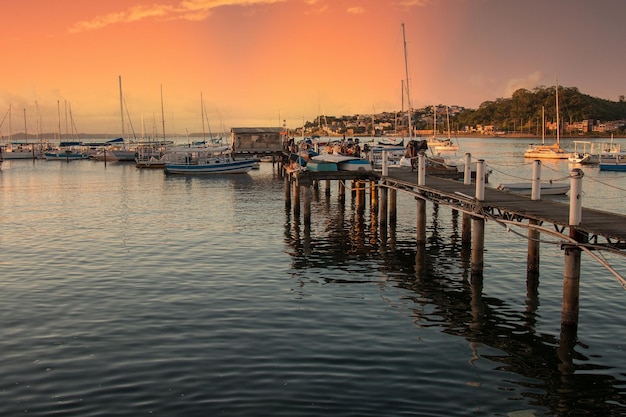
[[256, 62]]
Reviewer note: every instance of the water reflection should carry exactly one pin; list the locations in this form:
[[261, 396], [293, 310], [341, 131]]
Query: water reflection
[[553, 372]]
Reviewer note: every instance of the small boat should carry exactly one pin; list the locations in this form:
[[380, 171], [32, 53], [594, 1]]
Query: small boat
[[321, 166], [205, 160], [580, 156], [344, 162], [67, 151], [525, 188], [616, 163]]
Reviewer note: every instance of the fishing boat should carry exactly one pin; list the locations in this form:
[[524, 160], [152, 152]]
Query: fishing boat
[[205, 160], [544, 151], [525, 188]]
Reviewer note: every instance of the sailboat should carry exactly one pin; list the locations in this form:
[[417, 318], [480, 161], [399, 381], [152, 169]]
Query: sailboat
[[151, 154], [126, 153], [438, 144], [553, 151]]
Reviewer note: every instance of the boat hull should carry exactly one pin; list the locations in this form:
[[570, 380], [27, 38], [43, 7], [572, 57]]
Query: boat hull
[[234, 167], [526, 188], [612, 166]]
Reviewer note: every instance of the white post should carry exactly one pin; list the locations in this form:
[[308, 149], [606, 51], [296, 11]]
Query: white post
[[536, 181], [385, 168], [421, 169], [575, 197], [467, 173], [480, 180]]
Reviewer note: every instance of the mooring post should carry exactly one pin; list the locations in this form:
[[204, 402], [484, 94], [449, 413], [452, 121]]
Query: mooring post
[[393, 207], [296, 197], [571, 275], [467, 172], [383, 208], [360, 196], [373, 196], [327, 187], [287, 180], [383, 161], [535, 193], [306, 189], [478, 224], [341, 188], [532, 259], [480, 180], [421, 169]]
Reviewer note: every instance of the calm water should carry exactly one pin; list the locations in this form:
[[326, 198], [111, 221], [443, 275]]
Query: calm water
[[128, 292]]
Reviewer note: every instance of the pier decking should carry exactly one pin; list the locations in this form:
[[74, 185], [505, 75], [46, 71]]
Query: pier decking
[[599, 225]]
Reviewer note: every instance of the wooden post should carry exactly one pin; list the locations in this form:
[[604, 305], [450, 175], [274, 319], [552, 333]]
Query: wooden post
[[296, 197], [535, 193], [393, 207], [383, 208], [571, 274], [307, 207], [478, 245], [466, 228], [480, 180], [467, 172], [360, 196], [373, 196], [327, 187], [421, 221], [341, 186], [421, 169], [532, 259], [287, 181]]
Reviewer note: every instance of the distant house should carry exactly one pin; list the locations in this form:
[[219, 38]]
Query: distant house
[[257, 140]]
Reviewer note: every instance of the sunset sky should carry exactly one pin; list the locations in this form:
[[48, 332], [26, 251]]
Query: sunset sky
[[258, 62]]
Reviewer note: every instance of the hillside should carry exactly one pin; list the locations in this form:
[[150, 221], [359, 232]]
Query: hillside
[[523, 110]]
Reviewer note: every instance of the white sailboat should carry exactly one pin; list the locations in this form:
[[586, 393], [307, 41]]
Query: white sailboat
[[553, 151], [439, 144]]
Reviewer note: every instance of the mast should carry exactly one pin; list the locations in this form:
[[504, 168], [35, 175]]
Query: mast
[[408, 89], [162, 113], [557, 112], [122, 107], [25, 133], [202, 113]]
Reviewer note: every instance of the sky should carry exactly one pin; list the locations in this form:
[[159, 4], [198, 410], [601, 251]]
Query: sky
[[250, 63]]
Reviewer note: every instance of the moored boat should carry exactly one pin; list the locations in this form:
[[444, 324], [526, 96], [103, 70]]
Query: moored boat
[[525, 188], [205, 160]]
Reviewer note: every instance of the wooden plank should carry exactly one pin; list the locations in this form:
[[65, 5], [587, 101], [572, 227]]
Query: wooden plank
[[611, 226]]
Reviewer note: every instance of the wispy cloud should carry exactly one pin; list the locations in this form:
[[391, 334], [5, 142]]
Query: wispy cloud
[[185, 10], [356, 10]]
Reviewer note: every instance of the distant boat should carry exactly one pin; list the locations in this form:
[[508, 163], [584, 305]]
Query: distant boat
[[205, 160], [525, 188], [616, 163], [553, 151], [580, 156], [67, 151], [439, 144]]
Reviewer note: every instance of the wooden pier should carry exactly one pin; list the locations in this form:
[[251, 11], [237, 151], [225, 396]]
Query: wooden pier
[[579, 229]]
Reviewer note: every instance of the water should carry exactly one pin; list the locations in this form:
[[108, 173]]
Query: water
[[128, 292]]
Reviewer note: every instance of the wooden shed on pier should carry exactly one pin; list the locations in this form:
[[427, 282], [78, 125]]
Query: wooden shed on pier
[[257, 140]]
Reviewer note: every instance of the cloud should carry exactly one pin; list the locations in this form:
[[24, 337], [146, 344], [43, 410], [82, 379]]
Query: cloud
[[529, 82], [356, 10], [193, 10]]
